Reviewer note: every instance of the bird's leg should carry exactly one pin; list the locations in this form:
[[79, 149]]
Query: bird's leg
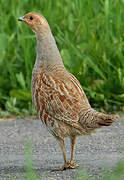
[[73, 144], [66, 163]]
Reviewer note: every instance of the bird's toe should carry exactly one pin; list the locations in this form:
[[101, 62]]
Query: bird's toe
[[73, 165], [64, 167]]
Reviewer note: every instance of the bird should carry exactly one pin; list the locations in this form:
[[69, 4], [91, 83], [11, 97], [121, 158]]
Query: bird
[[59, 99]]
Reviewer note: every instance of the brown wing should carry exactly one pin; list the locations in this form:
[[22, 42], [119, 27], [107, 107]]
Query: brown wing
[[61, 97]]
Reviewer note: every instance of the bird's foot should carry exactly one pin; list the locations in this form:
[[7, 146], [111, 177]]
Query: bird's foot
[[67, 165]]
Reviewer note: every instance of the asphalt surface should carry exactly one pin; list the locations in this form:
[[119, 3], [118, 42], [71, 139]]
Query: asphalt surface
[[96, 153]]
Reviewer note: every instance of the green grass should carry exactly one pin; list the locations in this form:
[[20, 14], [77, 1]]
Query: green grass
[[90, 37], [30, 172]]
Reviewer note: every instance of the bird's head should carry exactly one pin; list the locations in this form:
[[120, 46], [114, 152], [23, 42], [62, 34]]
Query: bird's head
[[35, 21]]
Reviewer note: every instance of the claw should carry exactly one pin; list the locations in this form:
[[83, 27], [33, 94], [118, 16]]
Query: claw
[[73, 165]]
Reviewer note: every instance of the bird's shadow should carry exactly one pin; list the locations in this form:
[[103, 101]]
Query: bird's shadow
[[17, 169]]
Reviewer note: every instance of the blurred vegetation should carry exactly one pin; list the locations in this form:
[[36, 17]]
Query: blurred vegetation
[[116, 174], [90, 37], [32, 174]]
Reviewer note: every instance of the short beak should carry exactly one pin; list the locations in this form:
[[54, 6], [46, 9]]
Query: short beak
[[21, 19]]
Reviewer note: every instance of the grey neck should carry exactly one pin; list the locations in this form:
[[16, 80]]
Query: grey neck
[[47, 51]]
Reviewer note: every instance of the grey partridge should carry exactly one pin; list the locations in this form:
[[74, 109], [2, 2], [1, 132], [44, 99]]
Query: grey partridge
[[59, 99]]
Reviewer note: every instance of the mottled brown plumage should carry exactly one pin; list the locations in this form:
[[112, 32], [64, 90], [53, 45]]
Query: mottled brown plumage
[[59, 99]]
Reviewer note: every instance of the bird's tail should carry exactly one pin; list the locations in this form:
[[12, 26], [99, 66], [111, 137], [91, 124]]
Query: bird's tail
[[93, 119], [106, 119]]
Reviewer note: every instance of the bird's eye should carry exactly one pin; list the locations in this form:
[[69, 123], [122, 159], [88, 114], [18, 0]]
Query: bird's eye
[[31, 18]]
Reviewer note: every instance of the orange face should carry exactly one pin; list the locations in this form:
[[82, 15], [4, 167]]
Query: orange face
[[33, 20]]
